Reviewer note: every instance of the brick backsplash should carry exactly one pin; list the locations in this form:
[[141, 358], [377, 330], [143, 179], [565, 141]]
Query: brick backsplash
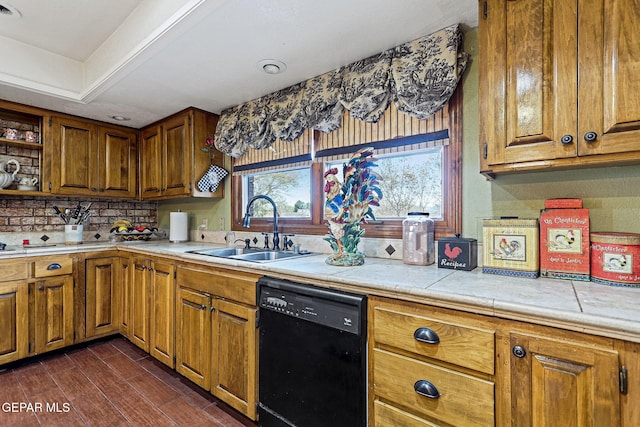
[[34, 214]]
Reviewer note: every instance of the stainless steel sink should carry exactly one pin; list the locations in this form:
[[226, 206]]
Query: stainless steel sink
[[224, 252], [267, 256], [251, 254]]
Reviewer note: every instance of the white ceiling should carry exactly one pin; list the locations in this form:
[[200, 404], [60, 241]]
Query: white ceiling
[[147, 59]]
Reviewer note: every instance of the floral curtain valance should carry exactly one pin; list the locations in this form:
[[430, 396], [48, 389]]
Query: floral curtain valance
[[419, 76]]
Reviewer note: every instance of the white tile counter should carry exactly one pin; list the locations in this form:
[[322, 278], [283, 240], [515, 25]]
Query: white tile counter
[[575, 305]]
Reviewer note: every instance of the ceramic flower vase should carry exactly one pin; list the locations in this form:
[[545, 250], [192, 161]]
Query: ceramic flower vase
[[348, 204]]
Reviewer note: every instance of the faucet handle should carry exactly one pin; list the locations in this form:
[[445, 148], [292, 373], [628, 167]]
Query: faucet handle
[[266, 240], [287, 243]]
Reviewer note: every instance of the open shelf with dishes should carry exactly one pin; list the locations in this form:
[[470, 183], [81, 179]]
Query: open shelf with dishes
[[20, 151]]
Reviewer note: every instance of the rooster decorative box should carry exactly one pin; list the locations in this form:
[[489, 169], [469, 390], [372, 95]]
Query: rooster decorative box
[[458, 253], [511, 247], [564, 243]]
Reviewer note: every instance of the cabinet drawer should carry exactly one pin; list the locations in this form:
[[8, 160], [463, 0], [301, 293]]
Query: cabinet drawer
[[236, 286], [460, 345], [463, 399], [387, 415], [52, 266], [13, 270]]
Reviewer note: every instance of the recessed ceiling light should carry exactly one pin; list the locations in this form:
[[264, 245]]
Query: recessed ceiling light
[[120, 118], [271, 66], [8, 11]]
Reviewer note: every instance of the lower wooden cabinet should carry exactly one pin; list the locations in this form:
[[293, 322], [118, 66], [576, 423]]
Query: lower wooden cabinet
[[429, 366], [434, 366], [53, 313], [558, 378], [151, 306], [14, 318], [162, 313], [193, 336], [234, 355], [103, 288], [139, 303], [216, 337]]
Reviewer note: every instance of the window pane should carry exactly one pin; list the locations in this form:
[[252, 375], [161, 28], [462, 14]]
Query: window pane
[[291, 190], [410, 183]]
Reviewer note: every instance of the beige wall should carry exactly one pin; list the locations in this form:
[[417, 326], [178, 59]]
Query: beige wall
[[612, 194]]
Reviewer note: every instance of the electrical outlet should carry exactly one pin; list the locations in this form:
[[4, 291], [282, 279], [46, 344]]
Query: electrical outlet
[[205, 223], [221, 223]]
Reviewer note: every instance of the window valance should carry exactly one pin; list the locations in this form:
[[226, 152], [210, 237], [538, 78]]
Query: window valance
[[419, 76]]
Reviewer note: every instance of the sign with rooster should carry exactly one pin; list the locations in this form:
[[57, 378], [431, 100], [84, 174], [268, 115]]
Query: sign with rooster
[[458, 253]]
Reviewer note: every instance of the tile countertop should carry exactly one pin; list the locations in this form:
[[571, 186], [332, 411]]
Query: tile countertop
[[574, 305]]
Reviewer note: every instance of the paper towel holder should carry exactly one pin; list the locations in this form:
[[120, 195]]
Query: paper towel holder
[[178, 227]]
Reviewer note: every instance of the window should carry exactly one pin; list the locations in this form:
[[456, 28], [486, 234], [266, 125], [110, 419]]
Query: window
[[411, 182], [425, 181], [289, 189]]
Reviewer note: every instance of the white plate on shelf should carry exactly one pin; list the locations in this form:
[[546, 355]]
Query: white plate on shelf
[[22, 187]]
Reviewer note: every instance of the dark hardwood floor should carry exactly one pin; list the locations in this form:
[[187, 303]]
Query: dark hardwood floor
[[108, 383]]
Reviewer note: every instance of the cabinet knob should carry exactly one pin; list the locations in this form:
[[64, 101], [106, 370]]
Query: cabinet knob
[[426, 335], [203, 307], [566, 139], [54, 266], [519, 351], [590, 136], [41, 288], [426, 389]]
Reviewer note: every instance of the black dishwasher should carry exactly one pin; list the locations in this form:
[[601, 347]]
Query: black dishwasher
[[312, 356]]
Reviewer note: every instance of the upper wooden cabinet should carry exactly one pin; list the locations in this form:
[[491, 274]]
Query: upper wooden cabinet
[[171, 161], [558, 84], [92, 160]]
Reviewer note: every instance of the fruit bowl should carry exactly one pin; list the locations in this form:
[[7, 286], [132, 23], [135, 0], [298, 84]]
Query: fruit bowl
[[130, 236]]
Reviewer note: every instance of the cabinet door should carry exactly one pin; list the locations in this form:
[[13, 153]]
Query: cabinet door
[[53, 313], [117, 162], [177, 156], [14, 318], [609, 48], [102, 296], [124, 278], [529, 83], [560, 383], [193, 336], [139, 303], [234, 356], [150, 161], [74, 157], [162, 309]]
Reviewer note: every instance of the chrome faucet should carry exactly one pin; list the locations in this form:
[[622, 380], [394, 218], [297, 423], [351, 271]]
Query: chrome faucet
[[247, 218]]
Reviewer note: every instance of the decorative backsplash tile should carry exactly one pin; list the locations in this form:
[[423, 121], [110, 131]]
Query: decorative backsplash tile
[[36, 214]]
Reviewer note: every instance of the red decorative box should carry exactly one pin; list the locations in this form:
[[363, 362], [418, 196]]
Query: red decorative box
[[563, 204], [564, 243], [615, 259]]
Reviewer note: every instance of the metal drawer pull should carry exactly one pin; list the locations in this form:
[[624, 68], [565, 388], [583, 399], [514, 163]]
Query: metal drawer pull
[[426, 335], [54, 266], [426, 389]]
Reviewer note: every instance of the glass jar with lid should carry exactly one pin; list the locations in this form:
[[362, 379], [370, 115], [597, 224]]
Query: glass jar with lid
[[418, 239]]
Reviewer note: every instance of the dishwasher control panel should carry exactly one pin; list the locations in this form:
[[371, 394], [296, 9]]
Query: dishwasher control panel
[[314, 308]]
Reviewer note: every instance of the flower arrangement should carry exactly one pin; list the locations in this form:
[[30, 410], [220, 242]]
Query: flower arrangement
[[209, 147], [348, 204]]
